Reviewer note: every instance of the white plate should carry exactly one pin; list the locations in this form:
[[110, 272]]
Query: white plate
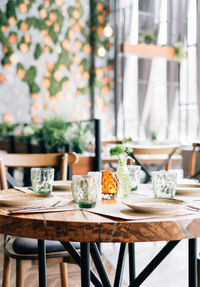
[[24, 199], [154, 205], [181, 190], [62, 185], [187, 182]]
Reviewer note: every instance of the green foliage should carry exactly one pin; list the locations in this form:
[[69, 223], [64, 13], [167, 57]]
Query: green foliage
[[180, 51], [30, 74], [79, 137], [29, 5], [6, 60], [34, 88], [54, 87], [153, 136], [20, 66], [20, 22], [3, 19], [38, 51], [22, 41], [13, 33], [7, 128], [120, 149], [10, 9], [39, 24], [55, 133], [6, 43], [150, 38], [60, 17], [85, 64], [52, 133], [71, 9], [84, 90], [64, 59], [30, 79], [29, 130], [128, 140]]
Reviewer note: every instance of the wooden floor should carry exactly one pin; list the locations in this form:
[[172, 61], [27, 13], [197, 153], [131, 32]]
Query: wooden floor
[[171, 273]]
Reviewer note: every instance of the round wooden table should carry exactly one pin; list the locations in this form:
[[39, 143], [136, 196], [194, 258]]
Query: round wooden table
[[89, 228]]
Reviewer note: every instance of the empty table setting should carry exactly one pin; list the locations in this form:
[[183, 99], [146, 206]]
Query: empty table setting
[[138, 218]]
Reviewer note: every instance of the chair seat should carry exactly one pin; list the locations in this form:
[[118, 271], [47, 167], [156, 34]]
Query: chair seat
[[27, 248]]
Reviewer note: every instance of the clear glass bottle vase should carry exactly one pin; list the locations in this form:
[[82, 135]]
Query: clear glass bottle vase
[[124, 178]]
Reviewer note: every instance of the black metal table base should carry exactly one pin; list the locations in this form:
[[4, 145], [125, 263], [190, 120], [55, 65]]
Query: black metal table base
[[87, 275], [42, 263]]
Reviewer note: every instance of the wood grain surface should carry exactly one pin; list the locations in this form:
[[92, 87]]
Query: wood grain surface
[[83, 226]]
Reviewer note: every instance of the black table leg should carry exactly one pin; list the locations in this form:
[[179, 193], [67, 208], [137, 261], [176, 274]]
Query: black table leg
[[131, 253], [96, 256], [42, 263], [85, 265], [120, 265], [192, 263]]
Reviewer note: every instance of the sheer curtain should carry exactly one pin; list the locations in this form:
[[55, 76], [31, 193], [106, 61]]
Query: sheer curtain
[[198, 63], [177, 25], [161, 95]]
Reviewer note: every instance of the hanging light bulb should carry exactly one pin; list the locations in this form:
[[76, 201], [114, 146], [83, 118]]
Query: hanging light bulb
[[108, 30], [101, 52]]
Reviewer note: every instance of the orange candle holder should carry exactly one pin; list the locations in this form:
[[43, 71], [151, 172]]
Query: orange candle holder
[[109, 182]]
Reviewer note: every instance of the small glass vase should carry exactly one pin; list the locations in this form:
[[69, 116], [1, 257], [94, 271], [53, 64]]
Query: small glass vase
[[124, 178]]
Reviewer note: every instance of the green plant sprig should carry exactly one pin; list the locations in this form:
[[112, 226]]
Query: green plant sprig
[[120, 149]]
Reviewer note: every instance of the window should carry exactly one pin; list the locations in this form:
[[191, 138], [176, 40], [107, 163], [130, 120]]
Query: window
[[160, 95]]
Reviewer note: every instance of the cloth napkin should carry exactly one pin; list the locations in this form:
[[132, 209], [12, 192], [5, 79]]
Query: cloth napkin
[[24, 189]]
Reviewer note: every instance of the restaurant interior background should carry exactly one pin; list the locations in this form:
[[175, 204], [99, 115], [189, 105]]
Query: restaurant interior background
[[132, 64]]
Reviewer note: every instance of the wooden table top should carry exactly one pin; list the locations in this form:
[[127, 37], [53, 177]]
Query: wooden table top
[[84, 226]]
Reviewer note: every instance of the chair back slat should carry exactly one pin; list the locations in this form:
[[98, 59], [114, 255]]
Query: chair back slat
[[61, 160], [165, 150]]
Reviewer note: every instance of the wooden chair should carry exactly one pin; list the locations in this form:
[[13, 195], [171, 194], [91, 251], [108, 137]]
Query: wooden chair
[[160, 155], [25, 249], [195, 149]]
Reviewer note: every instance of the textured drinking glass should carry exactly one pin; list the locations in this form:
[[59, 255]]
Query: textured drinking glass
[[85, 190], [135, 173], [179, 172], [97, 179], [164, 184], [109, 182], [42, 180]]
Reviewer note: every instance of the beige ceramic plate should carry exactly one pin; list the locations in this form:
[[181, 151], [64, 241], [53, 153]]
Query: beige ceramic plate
[[154, 205], [181, 190], [186, 182], [62, 185], [24, 199]]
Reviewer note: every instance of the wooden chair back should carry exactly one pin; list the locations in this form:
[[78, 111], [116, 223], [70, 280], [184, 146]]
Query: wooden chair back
[[61, 160], [164, 150], [110, 142], [192, 164]]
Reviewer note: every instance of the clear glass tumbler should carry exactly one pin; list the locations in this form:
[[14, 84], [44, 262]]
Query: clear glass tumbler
[[97, 179], [164, 184], [85, 190], [42, 180], [135, 173]]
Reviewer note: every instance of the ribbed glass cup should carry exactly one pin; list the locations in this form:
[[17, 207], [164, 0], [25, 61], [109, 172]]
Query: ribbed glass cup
[[85, 190], [164, 184], [42, 180]]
